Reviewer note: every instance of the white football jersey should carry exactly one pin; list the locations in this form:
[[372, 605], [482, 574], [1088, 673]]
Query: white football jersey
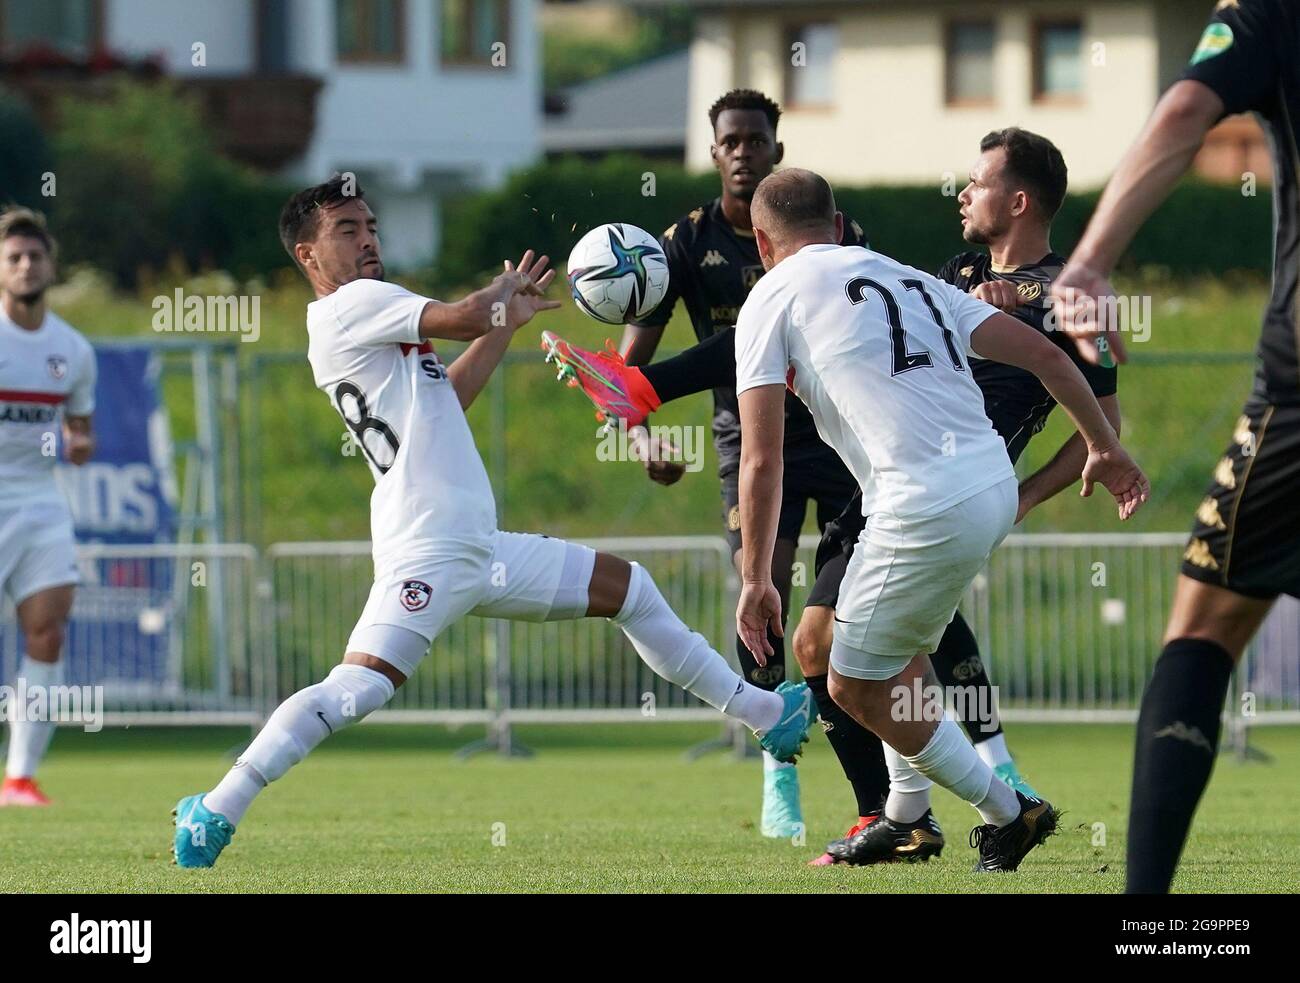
[[878, 351], [43, 374], [432, 496]]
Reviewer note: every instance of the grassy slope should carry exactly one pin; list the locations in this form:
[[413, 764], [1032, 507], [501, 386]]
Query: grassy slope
[[600, 809]]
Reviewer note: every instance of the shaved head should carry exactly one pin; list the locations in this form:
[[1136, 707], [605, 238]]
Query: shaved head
[[794, 203], [792, 209]]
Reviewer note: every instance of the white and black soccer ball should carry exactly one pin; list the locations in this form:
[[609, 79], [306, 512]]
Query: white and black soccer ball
[[618, 273]]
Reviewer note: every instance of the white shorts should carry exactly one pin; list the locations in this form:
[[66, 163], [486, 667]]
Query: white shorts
[[525, 577], [906, 578], [37, 549]]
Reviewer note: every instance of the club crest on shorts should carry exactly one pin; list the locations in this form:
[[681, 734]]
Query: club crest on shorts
[[58, 366], [415, 595]]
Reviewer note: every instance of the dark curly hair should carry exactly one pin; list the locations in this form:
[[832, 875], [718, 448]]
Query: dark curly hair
[[745, 99]]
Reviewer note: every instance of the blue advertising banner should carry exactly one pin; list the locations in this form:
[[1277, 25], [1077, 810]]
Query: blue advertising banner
[[125, 494], [123, 630]]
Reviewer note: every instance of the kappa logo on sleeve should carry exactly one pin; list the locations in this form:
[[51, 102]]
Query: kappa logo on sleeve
[[415, 595]]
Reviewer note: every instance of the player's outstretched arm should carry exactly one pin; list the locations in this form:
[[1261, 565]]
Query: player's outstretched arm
[[478, 313], [1005, 339], [762, 438], [471, 371], [1161, 155], [1066, 465]]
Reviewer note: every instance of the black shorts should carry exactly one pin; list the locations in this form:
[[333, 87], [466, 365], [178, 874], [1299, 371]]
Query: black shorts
[[823, 480], [1247, 532], [825, 592], [833, 552]]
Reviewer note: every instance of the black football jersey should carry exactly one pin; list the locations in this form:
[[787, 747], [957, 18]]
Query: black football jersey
[[711, 268], [1250, 56], [1016, 402]]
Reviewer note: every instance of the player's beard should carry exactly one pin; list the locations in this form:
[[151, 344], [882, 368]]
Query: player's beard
[[979, 235], [366, 272]]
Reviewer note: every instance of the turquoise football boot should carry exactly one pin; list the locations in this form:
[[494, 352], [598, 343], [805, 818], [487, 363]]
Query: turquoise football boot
[[1009, 774], [782, 817], [201, 834], [785, 740]]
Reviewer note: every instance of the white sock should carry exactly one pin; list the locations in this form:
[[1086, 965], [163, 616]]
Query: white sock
[[950, 760], [684, 657], [235, 792], [993, 752], [771, 764], [348, 694], [909, 790], [29, 739], [999, 805]]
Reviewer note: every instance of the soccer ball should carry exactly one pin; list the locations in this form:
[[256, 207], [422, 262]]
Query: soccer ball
[[618, 273]]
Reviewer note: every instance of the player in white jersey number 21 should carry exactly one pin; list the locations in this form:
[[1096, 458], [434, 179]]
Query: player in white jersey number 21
[[47, 384], [438, 553], [878, 351]]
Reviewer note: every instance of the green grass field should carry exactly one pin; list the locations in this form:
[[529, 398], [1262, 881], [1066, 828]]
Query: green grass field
[[607, 809]]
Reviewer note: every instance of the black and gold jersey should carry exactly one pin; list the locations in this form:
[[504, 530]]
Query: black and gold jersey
[[1250, 56], [711, 268], [1015, 401]]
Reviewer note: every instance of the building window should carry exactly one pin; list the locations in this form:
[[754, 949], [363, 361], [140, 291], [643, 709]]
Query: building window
[[968, 63], [469, 29], [810, 54], [1058, 60], [73, 27], [370, 30]]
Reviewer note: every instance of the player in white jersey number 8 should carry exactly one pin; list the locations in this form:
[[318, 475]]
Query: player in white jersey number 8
[[437, 549]]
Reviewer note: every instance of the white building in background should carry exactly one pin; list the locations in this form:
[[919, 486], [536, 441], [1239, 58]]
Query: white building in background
[[876, 91], [423, 99]]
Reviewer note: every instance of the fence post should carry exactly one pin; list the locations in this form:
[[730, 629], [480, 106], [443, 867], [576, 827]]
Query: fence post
[[265, 649], [500, 735]]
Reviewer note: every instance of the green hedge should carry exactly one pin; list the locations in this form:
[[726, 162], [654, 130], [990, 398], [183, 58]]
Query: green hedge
[[142, 189], [24, 155], [1201, 229]]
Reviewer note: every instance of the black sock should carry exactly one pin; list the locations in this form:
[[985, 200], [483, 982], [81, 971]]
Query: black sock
[[1177, 740], [861, 754], [767, 677], [957, 662], [709, 365]]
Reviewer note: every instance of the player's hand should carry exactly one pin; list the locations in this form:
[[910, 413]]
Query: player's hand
[[1002, 294], [758, 611], [78, 447], [1026, 503], [1114, 470], [527, 283], [1081, 309], [657, 455]]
